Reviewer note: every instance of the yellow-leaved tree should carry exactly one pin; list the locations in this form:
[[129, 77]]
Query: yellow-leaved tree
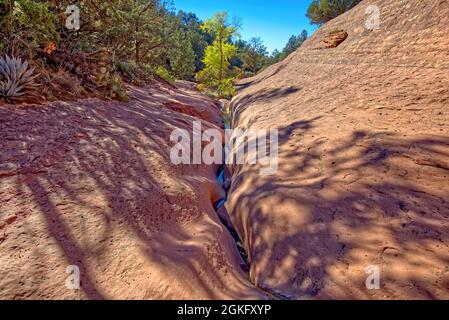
[[216, 74]]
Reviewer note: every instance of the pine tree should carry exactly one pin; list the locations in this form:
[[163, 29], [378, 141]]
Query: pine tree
[[322, 11], [254, 55]]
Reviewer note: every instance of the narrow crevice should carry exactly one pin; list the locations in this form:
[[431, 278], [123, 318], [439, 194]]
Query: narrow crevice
[[223, 177], [226, 220]]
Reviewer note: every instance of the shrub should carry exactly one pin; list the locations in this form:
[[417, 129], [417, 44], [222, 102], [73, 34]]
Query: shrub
[[116, 89], [16, 79], [165, 74], [128, 70], [27, 24], [249, 74], [226, 88], [60, 85], [213, 87]]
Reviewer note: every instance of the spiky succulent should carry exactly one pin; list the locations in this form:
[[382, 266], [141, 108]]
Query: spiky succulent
[[16, 79]]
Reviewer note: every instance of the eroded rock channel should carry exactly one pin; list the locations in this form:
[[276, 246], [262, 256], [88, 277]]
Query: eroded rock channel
[[224, 179], [89, 185], [362, 179]]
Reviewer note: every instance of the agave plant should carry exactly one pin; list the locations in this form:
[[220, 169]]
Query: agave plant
[[16, 79]]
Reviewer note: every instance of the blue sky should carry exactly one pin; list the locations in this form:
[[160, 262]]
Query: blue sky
[[273, 21]]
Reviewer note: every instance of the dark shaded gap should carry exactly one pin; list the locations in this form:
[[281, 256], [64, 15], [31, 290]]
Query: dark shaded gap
[[223, 215]]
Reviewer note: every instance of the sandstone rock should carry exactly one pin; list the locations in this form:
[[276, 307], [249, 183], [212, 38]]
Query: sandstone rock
[[114, 205], [10, 219], [335, 38], [363, 160]]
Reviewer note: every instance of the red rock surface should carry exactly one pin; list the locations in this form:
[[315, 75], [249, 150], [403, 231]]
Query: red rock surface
[[362, 181], [335, 38], [363, 160], [90, 184]]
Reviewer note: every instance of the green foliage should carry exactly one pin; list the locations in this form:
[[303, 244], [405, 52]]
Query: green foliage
[[217, 74], [322, 11], [26, 25], [140, 33], [254, 55], [217, 65], [335, 31], [275, 56], [237, 60], [137, 38], [182, 57], [216, 58], [220, 27], [199, 40], [226, 88], [248, 74], [16, 79], [165, 74], [132, 29], [128, 70]]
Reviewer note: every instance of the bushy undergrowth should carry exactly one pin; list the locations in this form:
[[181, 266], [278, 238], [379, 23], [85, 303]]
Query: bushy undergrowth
[[118, 41], [165, 74]]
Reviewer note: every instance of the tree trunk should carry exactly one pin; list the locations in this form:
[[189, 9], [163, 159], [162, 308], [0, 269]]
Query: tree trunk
[[137, 52], [220, 74], [138, 44]]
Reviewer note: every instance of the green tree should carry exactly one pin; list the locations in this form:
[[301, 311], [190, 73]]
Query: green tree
[[291, 46], [217, 61], [222, 30], [141, 35], [216, 73], [237, 60], [322, 11], [26, 25], [182, 56], [254, 55], [294, 43], [138, 28], [275, 56], [199, 40]]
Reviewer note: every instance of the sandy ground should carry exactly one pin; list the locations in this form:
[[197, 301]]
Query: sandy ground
[[363, 174], [90, 184]]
